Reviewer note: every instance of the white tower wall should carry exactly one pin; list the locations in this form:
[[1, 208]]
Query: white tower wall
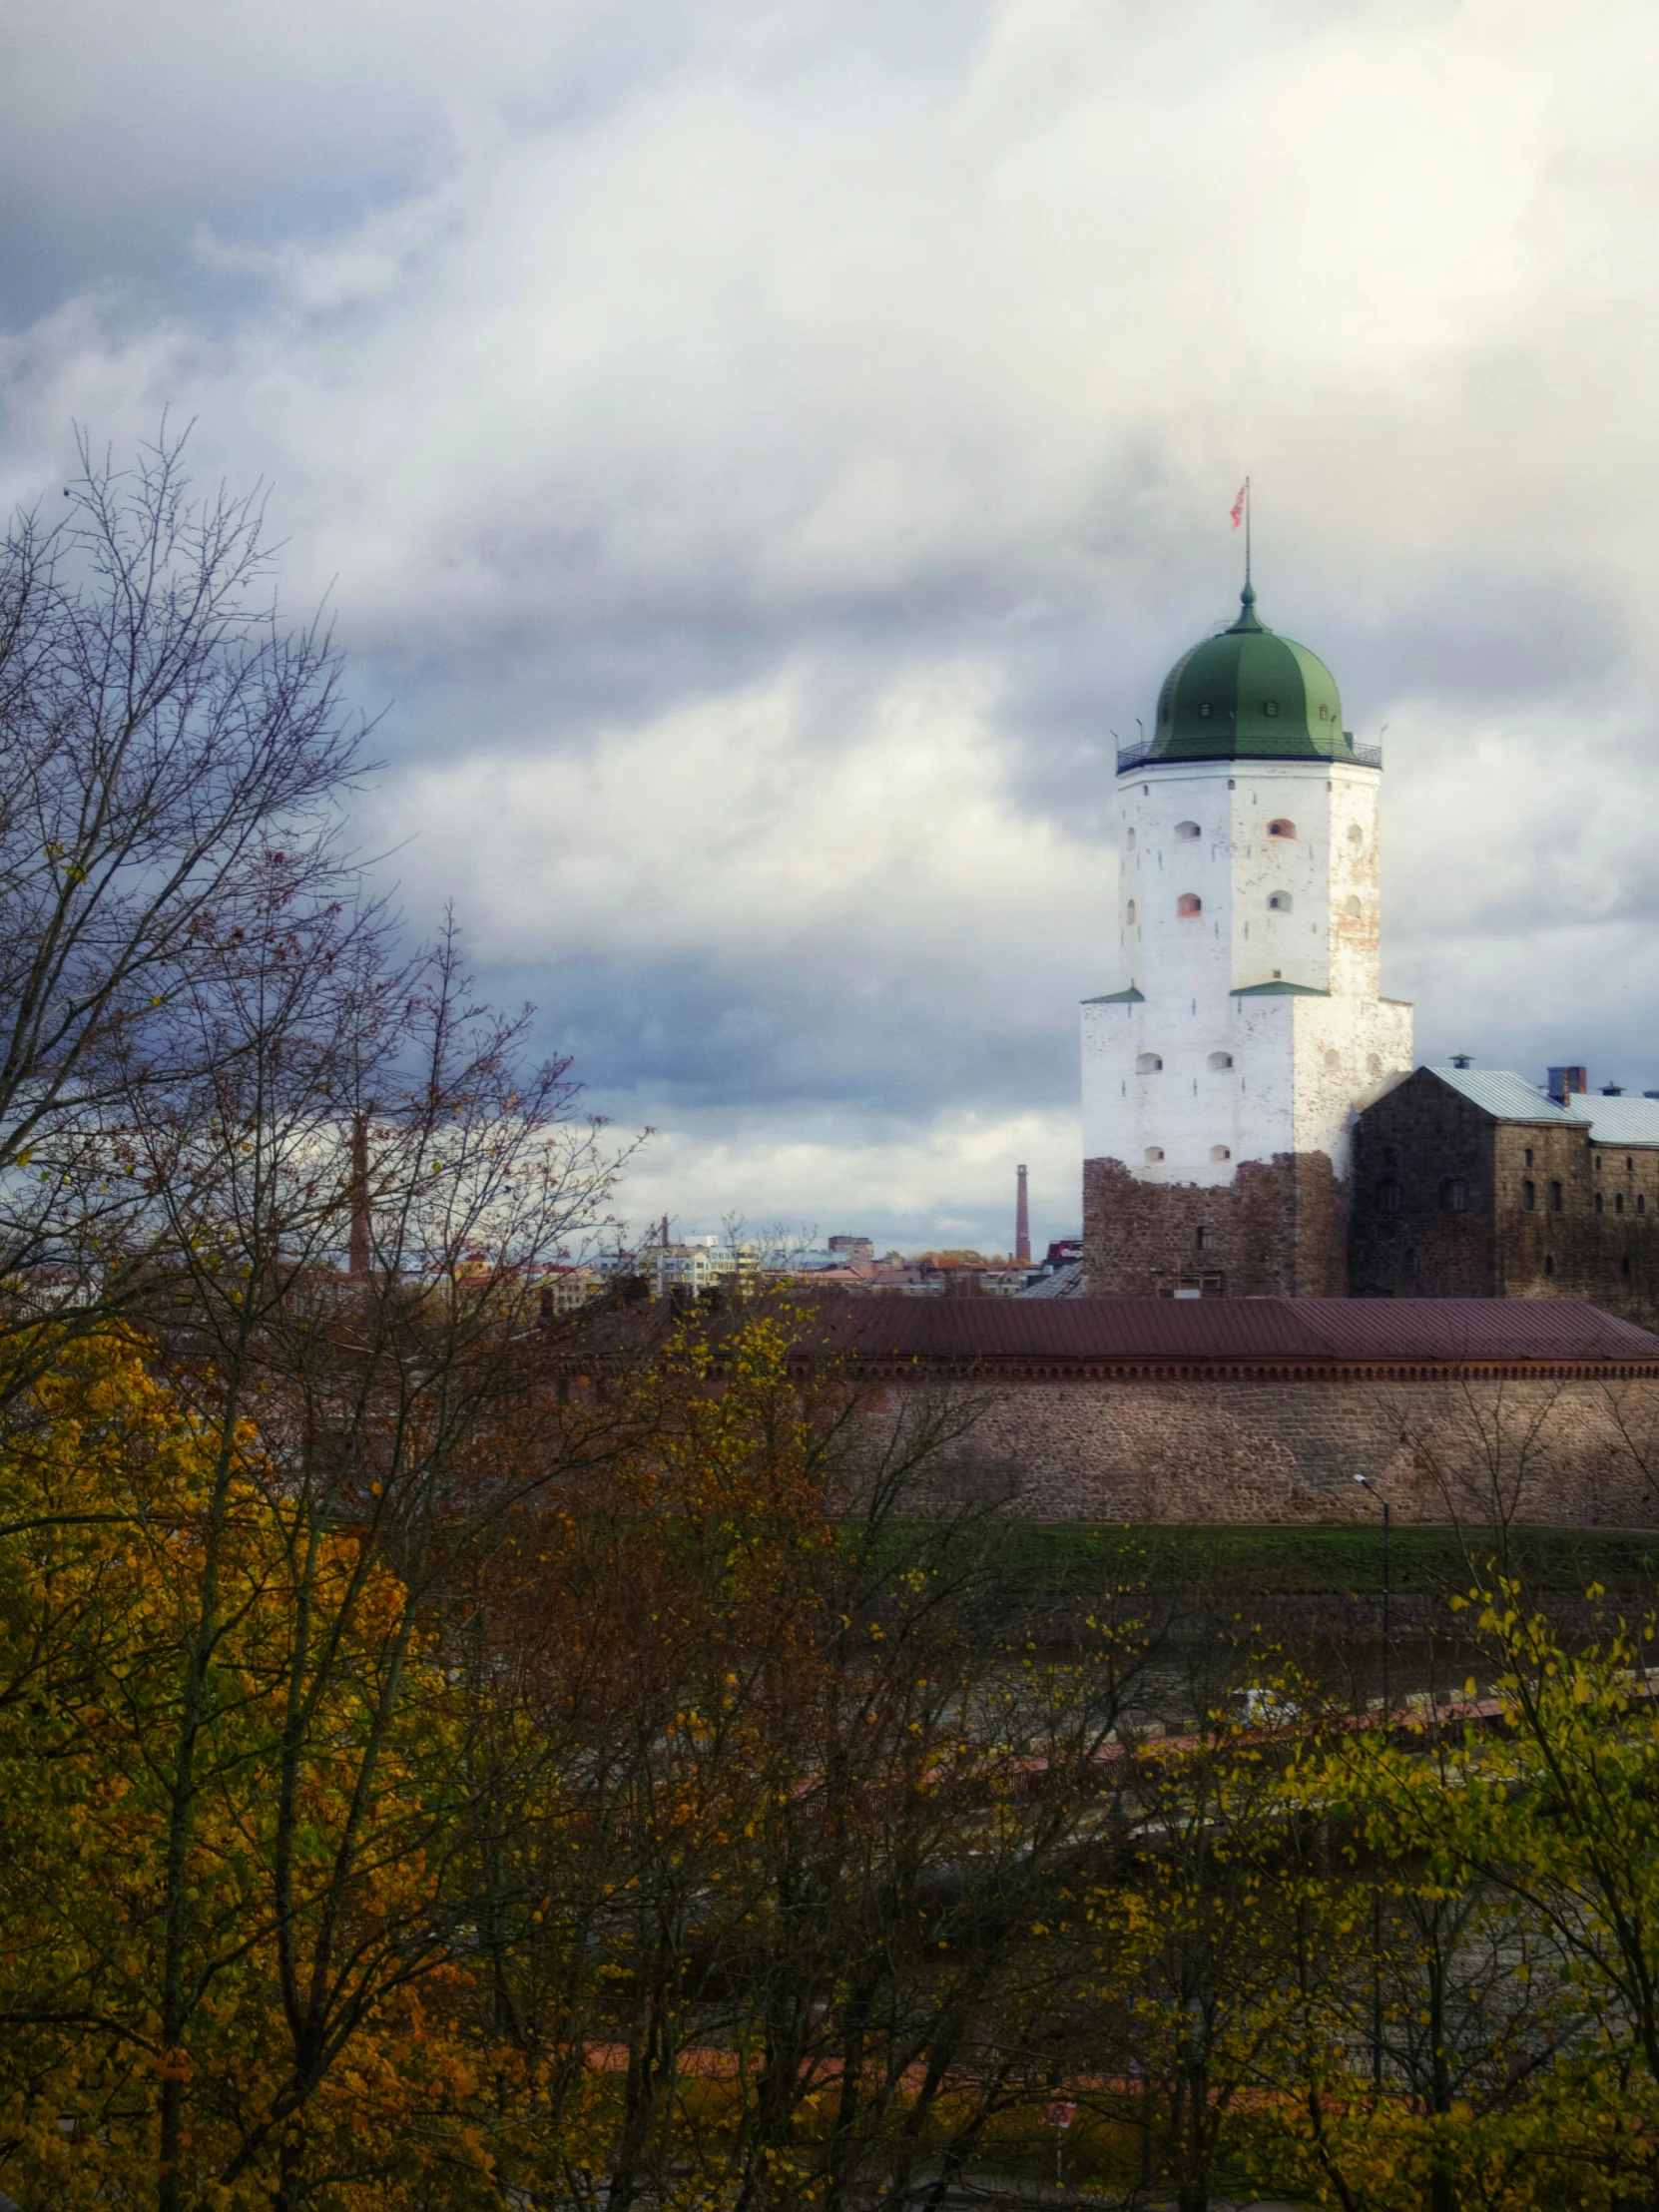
[[1251, 1025]]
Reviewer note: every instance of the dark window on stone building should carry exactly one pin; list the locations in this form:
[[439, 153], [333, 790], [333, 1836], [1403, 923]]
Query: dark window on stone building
[[1529, 1196], [1641, 1203], [1549, 1263], [1391, 1158], [1526, 1157], [1624, 1268], [1411, 1267], [1203, 1241], [1389, 1197], [1555, 1198], [1618, 1203], [1455, 1195], [1598, 1202]]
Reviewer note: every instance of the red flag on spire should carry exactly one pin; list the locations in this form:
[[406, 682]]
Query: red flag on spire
[[1238, 508]]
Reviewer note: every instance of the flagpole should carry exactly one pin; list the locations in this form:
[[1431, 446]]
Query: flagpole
[[1247, 529]]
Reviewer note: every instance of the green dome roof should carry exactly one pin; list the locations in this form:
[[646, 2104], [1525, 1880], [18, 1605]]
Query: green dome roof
[[1248, 695]]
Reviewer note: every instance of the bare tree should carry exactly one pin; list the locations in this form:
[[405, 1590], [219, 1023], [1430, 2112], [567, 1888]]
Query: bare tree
[[171, 750]]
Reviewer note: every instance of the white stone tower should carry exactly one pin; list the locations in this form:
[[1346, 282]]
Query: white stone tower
[[1223, 1071]]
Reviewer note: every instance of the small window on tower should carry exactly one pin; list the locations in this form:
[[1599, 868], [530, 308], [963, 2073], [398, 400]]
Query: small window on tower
[[1351, 909], [1529, 1196], [1280, 902], [1389, 1197], [1154, 1152], [1269, 705], [1598, 1202], [1188, 905], [1355, 835], [1148, 1064], [1526, 1157], [1131, 841], [1373, 1063], [1455, 1195], [1204, 710], [1186, 830], [1555, 1198], [1280, 828], [1203, 1241], [1332, 1059], [1618, 1203], [1549, 1263], [1324, 713], [1220, 1060], [1131, 909], [1220, 1152]]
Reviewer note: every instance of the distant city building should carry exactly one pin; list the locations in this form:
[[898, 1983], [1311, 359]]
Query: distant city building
[[852, 1248], [564, 1289], [699, 1264]]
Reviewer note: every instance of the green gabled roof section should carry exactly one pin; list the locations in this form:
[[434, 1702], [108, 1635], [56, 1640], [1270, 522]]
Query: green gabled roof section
[[1250, 695], [1278, 990], [1130, 998]]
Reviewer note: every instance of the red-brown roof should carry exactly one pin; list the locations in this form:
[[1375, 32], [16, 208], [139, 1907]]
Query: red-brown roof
[[1102, 1336]]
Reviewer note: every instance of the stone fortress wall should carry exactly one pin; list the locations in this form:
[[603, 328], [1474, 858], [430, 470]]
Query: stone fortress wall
[[1558, 1451]]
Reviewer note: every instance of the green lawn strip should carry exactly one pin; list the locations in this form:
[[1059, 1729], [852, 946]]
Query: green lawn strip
[[1034, 1559]]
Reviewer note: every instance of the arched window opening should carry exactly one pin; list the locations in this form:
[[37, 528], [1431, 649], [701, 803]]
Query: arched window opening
[[1624, 1265], [1220, 1060], [1351, 909], [1205, 709], [1455, 1195], [1598, 1202], [1220, 1152], [1618, 1202], [1131, 911], [1131, 841], [1203, 1241], [1549, 1263], [1188, 904], [1355, 835], [1332, 1059], [1269, 705], [1279, 902], [1187, 830], [1389, 1197], [1641, 1203], [1555, 1198], [1373, 1063], [1148, 1064], [1154, 1152], [1280, 828], [1530, 1196]]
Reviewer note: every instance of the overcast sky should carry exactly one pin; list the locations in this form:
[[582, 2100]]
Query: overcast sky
[[762, 449]]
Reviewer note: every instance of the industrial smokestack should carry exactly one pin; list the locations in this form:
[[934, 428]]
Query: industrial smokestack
[[1022, 1227], [359, 1260]]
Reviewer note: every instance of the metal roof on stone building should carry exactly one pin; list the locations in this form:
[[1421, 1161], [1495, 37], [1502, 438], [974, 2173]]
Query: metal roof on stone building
[[1611, 1120]]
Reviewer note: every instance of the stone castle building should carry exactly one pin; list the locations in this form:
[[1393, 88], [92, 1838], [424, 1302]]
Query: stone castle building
[[1244, 1032], [1471, 1183]]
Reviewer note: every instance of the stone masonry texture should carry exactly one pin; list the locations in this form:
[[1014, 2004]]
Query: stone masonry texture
[[1277, 1230], [1569, 1453]]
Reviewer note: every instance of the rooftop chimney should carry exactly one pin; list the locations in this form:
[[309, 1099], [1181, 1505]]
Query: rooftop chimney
[[1462, 1059], [1563, 1082], [1022, 1227]]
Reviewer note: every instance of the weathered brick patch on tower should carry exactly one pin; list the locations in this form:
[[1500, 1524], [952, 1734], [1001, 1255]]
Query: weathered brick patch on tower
[[1277, 1230]]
